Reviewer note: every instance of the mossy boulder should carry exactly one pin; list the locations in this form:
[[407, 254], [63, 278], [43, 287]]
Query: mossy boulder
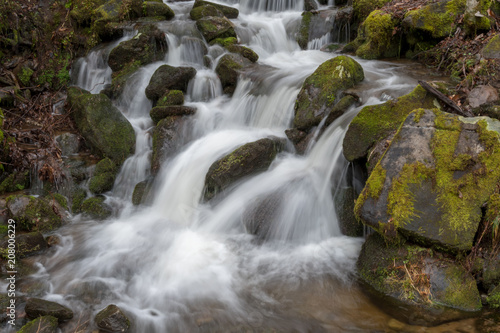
[[104, 176], [416, 284], [228, 69], [215, 27], [303, 33], [15, 181], [157, 9], [436, 19], [113, 11], [229, 12], [249, 159], [363, 8], [321, 91], [112, 319], [32, 213], [147, 46], [433, 180], [244, 51], [476, 16], [45, 324], [204, 11], [375, 37], [492, 49], [171, 97], [167, 78], [376, 122], [166, 139], [36, 307], [26, 245], [96, 208], [78, 197], [159, 112], [102, 125], [119, 80]]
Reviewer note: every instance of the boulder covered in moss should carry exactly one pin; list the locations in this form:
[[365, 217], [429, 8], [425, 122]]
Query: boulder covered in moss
[[492, 49], [13, 182], [119, 80], [104, 176], [433, 180], [45, 324], [113, 11], [436, 19], [363, 8], [321, 91], [159, 112], [78, 196], [415, 284], [243, 51], [249, 159], [32, 213], [167, 78], [148, 46], [102, 125], [167, 137], [26, 244], [215, 27], [204, 11], [157, 9], [228, 69], [36, 307], [112, 319], [375, 37], [303, 33], [96, 208], [376, 122], [229, 12], [171, 97]]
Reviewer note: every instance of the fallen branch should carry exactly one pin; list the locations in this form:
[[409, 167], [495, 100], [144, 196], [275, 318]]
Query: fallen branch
[[448, 102]]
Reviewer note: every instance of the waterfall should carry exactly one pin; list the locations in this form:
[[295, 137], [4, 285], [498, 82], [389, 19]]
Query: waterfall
[[181, 265]]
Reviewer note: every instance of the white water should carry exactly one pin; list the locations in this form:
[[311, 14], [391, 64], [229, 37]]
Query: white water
[[179, 264]]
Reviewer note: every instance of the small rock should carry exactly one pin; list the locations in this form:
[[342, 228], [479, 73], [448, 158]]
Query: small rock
[[69, 143], [112, 319], [482, 95], [36, 307]]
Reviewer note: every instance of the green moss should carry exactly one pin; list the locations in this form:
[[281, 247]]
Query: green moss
[[79, 196], [45, 324], [203, 11], [362, 8], [3, 230], [244, 51], [96, 208], [224, 42], [61, 200], [37, 215], [172, 97], [104, 176], [493, 298], [462, 292], [15, 182], [303, 34], [375, 36], [25, 76], [376, 182]]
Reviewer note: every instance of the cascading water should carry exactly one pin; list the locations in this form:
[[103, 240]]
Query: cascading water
[[183, 266]]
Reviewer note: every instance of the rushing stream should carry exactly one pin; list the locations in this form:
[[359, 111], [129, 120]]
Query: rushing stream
[[177, 265]]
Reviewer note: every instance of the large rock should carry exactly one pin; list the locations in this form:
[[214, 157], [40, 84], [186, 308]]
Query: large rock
[[320, 91], [16, 181], [104, 176], [228, 11], [112, 319], [32, 213], [36, 307], [102, 125], [436, 19], [171, 97], [27, 244], [147, 46], [492, 49], [96, 208], [160, 112], [141, 191], [157, 9], [45, 324], [376, 122], [415, 284], [363, 8], [113, 11], [166, 139], [204, 11], [167, 78], [433, 180], [215, 27], [228, 69], [249, 159], [481, 95], [375, 37]]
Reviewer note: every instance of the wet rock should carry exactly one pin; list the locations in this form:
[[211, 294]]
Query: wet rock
[[111, 12], [319, 93], [16, 181], [433, 180], [96, 208], [243, 51], [416, 285], [492, 49], [300, 139], [204, 11], [32, 213], [160, 112], [36, 307], [258, 216], [344, 206], [377, 122], [489, 110], [102, 125], [119, 80], [171, 97], [482, 95], [78, 197], [167, 78], [53, 240], [228, 11], [228, 70], [375, 37], [363, 8], [303, 33], [45, 324], [157, 9], [112, 319], [249, 159], [215, 27], [104, 176], [26, 244], [69, 143], [310, 5], [141, 191], [166, 139], [147, 46]]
